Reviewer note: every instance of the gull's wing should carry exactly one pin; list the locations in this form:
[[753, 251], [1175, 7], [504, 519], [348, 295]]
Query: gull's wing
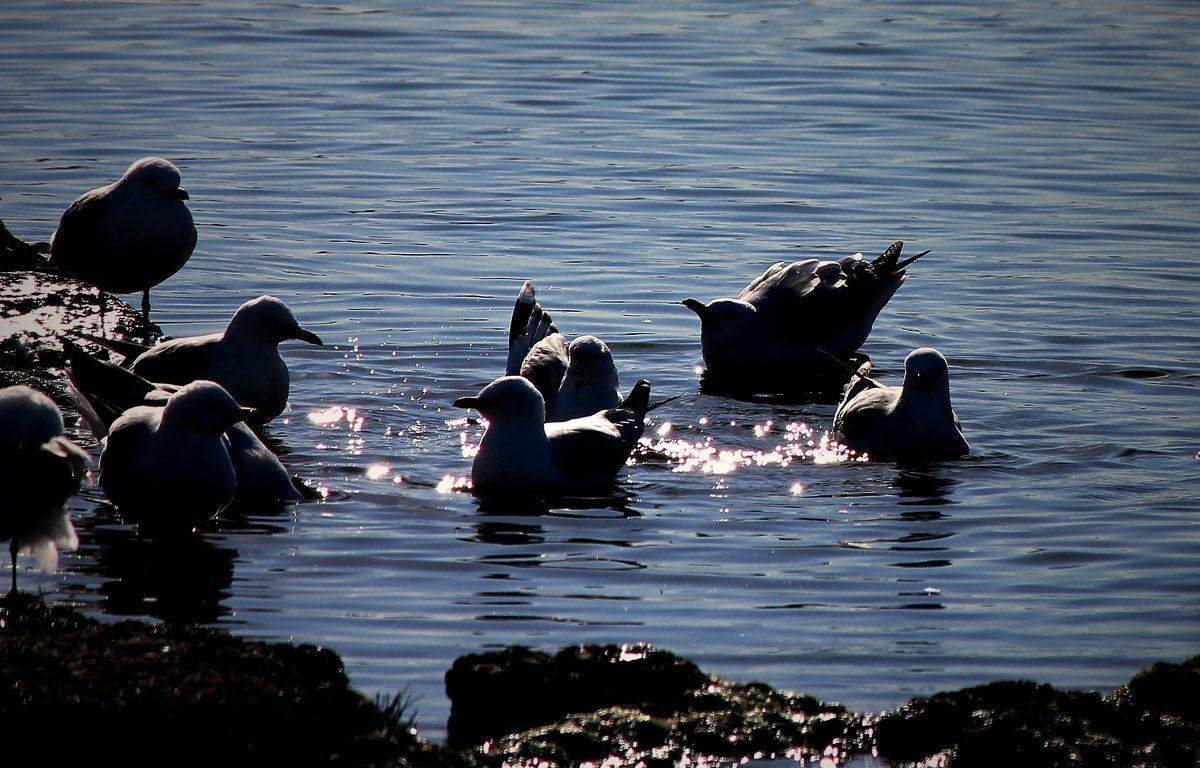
[[590, 451], [179, 361], [529, 325], [78, 227], [858, 418]]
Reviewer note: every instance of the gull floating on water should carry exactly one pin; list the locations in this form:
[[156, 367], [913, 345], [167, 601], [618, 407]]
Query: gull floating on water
[[40, 470], [794, 326], [168, 467], [575, 379], [128, 236], [521, 453], [102, 391], [913, 423], [244, 358]]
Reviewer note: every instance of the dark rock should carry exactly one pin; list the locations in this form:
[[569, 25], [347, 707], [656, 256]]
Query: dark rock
[[183, 695], [627, 705], [1152, 721], [38, 306], [16, 254]]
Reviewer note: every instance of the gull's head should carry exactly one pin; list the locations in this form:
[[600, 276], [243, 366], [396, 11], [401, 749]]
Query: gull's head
[[206, 407], [156, 176], [269, 320], [722, 313], [725, 326], [590, 357], [925, 370], [28, 418], [509, 398]]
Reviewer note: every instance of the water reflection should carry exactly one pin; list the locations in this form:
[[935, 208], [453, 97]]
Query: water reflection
[[175, 578], [507, 533], [927, 485]]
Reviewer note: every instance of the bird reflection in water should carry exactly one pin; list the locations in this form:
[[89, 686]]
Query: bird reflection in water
[[182, 577]]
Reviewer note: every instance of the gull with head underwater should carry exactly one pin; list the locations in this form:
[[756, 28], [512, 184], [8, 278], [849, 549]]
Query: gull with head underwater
[[793, 330]]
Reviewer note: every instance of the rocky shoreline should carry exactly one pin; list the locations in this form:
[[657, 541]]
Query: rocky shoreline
[[78, 689], [183, 695]]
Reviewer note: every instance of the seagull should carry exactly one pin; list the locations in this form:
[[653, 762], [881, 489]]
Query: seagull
[[779, 334], [102, 391], [40, 470], [168, 468], [911, 423], [521, 453], [128, 236], [575, 379], [244, 358]]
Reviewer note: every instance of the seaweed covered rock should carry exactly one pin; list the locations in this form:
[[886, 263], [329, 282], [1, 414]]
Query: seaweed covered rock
[[182, 695], [1153, 721], [38, 306], [626, 705]]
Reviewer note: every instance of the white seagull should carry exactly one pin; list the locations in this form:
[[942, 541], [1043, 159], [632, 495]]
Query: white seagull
[[168, 468], [521, 453], [102, 391], [244, 358], [791, 329], [40, 470], [911, 423], [575, 379], [128, 236]]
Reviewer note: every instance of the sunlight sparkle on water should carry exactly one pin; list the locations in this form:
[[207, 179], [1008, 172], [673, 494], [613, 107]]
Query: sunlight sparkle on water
[[378, 471], [800, 443], [452, 484]]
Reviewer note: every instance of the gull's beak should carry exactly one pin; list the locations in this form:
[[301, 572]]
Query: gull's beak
[[251, 415], [301, 334], [178, 193], [467, 402]]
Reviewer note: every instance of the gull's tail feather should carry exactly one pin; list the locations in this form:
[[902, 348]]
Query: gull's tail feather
[[902, 264], [638, 399], [101, 390], [859, 380], [889, 263]]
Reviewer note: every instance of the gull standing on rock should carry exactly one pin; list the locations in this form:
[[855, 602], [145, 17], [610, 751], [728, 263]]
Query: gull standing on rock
[[168, 468], [911, 423], [244, 358], [521, 453], [576, 379], [794, 326], [129, 236], [40, 470]]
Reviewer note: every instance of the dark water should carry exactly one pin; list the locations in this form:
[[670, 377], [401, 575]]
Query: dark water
[[394, 172]]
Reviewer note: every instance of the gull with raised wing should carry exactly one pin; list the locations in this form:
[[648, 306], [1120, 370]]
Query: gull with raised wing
[[168, 468], [128, 236], [102, 391], [523, 454], [795, 326], [40, 470], [244, 358], [575, 379], [910, 423]]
